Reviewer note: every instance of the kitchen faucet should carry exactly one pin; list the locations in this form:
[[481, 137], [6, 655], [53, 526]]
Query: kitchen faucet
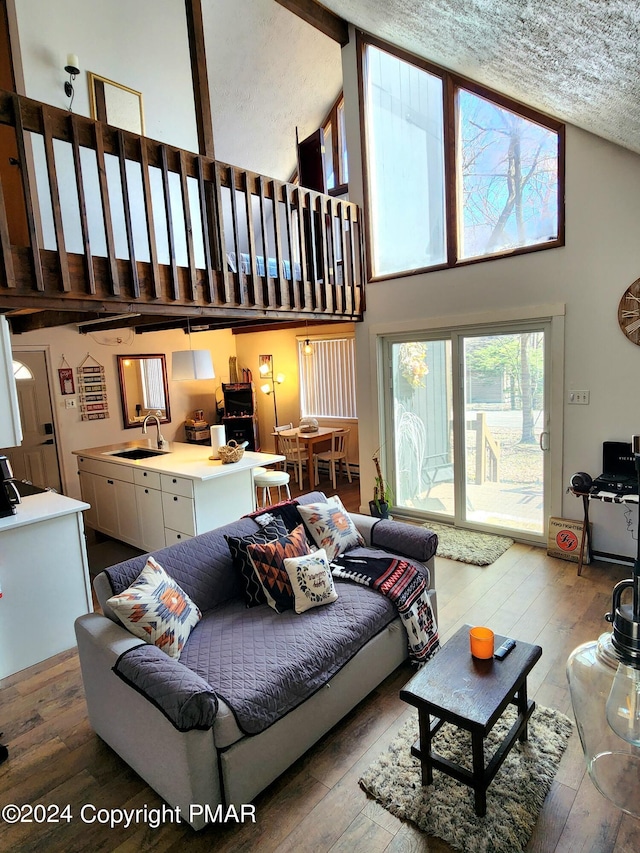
[[161, 439]]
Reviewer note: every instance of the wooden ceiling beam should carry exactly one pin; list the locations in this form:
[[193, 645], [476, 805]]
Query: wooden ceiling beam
[[322, 19], [204, 120]]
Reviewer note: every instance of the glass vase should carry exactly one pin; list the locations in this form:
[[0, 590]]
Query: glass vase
[[613, 763]]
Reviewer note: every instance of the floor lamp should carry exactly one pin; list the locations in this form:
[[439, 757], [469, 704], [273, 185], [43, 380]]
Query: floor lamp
[[268, 387]]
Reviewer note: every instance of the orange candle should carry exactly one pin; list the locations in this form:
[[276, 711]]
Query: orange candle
[[481, 641]]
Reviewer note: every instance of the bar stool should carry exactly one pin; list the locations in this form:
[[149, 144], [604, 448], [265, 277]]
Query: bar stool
[[266, 479]]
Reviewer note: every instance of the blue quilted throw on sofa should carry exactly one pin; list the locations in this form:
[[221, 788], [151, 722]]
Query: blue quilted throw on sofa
[[403, 584]]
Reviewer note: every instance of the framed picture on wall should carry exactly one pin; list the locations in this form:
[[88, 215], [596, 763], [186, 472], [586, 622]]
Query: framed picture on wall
[[116, 104], [265, 365]]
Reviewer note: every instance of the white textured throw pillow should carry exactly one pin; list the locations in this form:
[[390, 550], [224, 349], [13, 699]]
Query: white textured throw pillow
[[311, 580], [331, 526], [156, 609]]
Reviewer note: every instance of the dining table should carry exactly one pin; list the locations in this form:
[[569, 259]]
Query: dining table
[[310, 439]]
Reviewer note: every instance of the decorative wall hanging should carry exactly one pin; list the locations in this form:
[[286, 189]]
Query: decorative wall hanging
[[92, 387], [65, 375], [629, 312], [233, 369]]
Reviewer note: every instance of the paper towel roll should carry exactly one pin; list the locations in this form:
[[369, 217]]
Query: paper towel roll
[[217, 438]]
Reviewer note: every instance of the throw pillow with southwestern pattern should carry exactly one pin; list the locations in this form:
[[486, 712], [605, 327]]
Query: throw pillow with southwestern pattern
[[331, 526], [251, 586], [268, 563], [157, 610]]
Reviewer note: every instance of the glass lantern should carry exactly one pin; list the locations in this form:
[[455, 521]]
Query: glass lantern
[[606, 703], [604, 682]]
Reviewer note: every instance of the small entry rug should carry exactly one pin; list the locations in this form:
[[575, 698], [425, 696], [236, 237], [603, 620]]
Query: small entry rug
[[467, 546], [446, 808]]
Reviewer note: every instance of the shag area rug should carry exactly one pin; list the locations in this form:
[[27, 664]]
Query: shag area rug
[[446, 808], [467, 546]]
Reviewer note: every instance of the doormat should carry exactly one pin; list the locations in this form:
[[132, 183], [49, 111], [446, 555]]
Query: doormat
[[446, 808], [467, 546]]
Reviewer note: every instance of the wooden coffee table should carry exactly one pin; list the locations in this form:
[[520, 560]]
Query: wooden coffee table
[[454, 687]]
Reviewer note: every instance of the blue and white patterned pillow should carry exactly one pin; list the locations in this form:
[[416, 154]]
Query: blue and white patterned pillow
[[156, 609], [331, 526], [311, 580]]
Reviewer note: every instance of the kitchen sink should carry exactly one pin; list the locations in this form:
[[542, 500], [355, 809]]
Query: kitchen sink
[[138, 453]]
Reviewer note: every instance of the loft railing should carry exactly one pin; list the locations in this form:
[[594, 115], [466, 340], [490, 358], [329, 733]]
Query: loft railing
[[117, 222]]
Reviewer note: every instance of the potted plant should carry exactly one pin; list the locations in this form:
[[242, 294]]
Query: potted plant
[[379, 506]]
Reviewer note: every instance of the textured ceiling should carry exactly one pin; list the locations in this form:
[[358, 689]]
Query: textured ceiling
[[575, 59]]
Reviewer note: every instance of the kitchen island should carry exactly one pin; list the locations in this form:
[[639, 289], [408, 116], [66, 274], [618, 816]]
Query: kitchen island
[[161, 499], [44, 579]]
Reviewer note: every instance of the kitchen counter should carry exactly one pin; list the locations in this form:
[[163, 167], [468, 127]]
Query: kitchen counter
[[160, 500], [40, 508], [182, 460], [44, 578]]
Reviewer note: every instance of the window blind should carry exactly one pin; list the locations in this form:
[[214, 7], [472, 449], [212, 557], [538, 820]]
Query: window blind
[[328, 379]]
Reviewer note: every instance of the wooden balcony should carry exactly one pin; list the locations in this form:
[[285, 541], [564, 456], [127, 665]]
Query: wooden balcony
[[104, 221]]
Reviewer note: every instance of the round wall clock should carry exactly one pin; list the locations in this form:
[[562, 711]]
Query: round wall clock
[[629, 312]]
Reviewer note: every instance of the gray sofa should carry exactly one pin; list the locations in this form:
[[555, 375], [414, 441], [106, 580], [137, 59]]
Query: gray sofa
[[216, 762]]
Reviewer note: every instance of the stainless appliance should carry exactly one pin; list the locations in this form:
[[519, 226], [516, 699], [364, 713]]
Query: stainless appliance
[[9, 495]]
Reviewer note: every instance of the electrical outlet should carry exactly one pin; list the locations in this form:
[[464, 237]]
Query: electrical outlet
[[70, 404], [579, 398]]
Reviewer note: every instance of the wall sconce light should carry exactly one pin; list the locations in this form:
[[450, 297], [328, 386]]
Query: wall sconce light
[[72, 70], [191, 363]]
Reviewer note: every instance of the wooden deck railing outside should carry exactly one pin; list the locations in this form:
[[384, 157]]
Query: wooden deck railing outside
[[119, 222]]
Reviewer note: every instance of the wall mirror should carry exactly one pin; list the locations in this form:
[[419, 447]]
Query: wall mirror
[[143, 388], [116, 104]]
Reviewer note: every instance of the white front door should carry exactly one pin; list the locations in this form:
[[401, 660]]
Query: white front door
[[36, 459]]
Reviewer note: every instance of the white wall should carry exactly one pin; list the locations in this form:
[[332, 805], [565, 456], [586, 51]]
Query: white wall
[[269, 72], [74, 434], [600, 260], [143, 45]]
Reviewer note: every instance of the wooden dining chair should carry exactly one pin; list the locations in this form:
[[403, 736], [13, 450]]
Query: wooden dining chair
[[290, 447], [279, 429], [339, 453]]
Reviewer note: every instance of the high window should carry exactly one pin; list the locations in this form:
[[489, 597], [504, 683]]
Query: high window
[[328, 151], [455, 173], [328, 378]]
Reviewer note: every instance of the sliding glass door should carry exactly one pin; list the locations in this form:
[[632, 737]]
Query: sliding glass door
[[468, 426]]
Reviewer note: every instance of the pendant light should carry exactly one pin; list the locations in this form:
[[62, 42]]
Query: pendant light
[[192, 363], [307, 347], [604, 682]]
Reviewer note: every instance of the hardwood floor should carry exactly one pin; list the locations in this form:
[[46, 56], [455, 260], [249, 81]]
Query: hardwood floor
[[54, 757]]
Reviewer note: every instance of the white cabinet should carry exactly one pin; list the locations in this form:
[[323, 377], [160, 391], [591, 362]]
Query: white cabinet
[[179, 508], [111, 492], [10, 426], [178, 513], [150, 518], [144, 508], [151, 509], [88, 492], [44, 577]]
